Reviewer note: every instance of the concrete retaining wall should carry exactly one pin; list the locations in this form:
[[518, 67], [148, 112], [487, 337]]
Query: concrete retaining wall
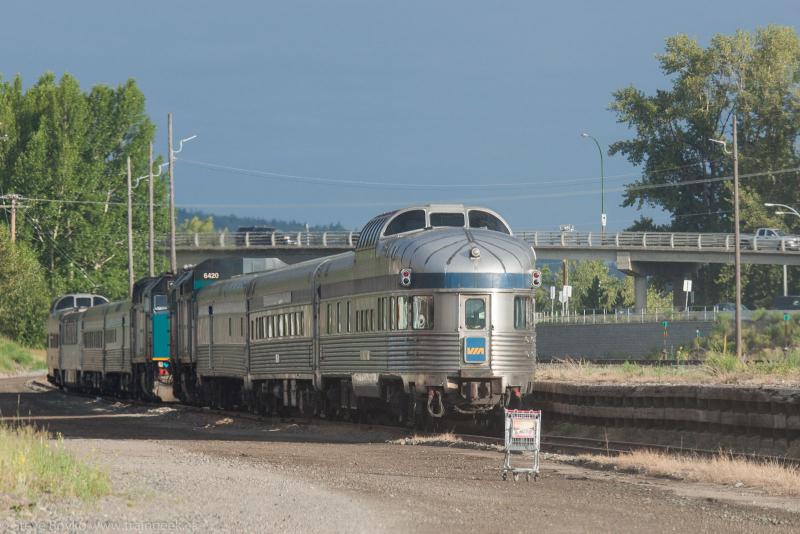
[[771, 410], [626, 340]]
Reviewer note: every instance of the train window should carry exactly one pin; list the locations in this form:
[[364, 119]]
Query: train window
[[406, 222], [241, 327], [483, 219], [521, 313], [230, 327], [475, 314], [252, 330], [392, 313], [160, 303], [70, 333], [447, 219], [97, 300], [348, 317], [338, 317], [53, 341], [423, 313], [402, 312], [111, 336], [84, 302], [329, 310]]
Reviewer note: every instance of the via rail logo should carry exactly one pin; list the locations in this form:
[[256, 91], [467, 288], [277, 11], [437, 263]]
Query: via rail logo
[[475, 350]]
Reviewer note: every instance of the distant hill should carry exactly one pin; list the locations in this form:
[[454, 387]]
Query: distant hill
[[232, 222]]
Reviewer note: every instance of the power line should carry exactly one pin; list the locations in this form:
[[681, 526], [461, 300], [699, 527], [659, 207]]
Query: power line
[[527, 196], [271, 175]]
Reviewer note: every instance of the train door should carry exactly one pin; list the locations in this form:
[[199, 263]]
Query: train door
[[475, 328], [211, 337]]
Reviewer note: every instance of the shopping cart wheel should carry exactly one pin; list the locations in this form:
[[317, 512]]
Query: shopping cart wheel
[[527, 477], [516, 477], [505, 475]]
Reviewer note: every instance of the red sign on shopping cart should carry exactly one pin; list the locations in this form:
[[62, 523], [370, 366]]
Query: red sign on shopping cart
[[523, 428]]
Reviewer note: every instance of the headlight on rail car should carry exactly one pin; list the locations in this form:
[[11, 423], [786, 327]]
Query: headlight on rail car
[[405, 277], [536, 278]]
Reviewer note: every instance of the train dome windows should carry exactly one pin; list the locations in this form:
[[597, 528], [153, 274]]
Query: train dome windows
[[447, 219], [406, 222], [487, 221], [83, 302], [98, 300], [475, 314], [65, 303]]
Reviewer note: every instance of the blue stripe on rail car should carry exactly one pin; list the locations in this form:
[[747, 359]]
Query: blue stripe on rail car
[[471, 280]]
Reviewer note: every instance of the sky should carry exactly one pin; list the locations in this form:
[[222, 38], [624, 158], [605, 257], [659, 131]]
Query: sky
[[333, 111]]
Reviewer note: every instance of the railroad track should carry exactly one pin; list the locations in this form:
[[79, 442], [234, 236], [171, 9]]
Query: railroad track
[[570, 445]]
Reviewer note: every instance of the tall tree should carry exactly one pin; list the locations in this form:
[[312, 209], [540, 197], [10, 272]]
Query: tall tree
[[755, 76], [66, 151]]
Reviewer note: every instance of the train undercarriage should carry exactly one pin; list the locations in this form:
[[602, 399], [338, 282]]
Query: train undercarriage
[[391, 401]]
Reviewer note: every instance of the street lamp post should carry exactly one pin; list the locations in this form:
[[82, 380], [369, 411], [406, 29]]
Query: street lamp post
[[737, 256], [602, 181], [789, 211]]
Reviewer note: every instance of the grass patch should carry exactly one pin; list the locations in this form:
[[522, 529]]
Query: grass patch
[[16, 358], [34, 466], [776, 367], [770, 477]]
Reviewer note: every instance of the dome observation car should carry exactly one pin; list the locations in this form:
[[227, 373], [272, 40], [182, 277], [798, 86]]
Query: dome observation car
[[428, 217], [77, 301]]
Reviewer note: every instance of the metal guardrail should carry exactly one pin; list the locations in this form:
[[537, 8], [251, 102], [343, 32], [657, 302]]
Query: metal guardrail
[[628, 316], [539, 239]]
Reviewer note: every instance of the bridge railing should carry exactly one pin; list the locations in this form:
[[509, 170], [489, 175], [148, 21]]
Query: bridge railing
[[257, 239], [656, 240], [627, 315], [541, 239]]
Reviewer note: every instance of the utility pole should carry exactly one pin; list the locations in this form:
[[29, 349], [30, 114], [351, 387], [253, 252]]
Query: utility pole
[[13, 206], [152, 230], [173, 258], [738, 246], [13, 218], [130, 231]]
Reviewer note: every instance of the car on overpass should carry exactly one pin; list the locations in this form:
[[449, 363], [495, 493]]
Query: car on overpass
[[771, 239]]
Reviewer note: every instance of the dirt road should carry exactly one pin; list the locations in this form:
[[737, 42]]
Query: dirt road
[[178, 469]]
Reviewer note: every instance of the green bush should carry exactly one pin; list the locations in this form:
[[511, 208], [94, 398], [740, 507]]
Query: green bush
[[764, 332], [24, 296]]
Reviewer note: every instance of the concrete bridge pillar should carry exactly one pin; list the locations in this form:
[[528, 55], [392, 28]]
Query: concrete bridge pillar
[[640, 291], [674, 272]]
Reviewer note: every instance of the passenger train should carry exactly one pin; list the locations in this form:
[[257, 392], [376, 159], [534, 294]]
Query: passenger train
[[431, 315]]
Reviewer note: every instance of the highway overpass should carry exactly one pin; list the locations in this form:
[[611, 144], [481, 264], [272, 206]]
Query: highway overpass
[[675, 255]]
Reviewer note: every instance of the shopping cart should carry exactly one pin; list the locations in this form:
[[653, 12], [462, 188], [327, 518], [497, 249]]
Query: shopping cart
[[523, 429]]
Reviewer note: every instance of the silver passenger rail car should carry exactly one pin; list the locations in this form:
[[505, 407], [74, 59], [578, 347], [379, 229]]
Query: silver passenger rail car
[[431, 315]]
